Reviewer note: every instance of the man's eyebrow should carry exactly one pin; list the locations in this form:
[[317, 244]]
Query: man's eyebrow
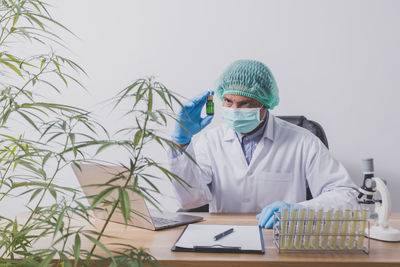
[[246, 102], [249, 101]]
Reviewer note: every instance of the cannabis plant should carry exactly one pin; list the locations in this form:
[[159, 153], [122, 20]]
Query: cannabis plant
[[38, 139]]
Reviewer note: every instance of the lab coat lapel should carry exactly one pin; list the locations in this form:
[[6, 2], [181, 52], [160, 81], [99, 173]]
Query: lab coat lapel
[[261, 150], [234, 147], [257, 152]]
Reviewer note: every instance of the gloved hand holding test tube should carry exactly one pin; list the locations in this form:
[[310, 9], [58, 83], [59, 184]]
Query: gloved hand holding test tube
[[189, 121]]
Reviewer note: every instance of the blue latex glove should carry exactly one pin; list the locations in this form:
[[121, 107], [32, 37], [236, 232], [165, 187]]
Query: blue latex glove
[[190, 117], [266, 216]]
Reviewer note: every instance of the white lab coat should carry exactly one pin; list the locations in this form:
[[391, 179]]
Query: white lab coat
[[286, 158]]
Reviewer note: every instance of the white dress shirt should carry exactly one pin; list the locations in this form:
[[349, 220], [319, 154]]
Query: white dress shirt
[[285, 160]]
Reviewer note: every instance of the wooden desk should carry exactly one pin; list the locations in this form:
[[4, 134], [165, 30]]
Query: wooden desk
[[159, 244]]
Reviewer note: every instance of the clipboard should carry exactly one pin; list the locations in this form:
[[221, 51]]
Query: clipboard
[[230, 243]]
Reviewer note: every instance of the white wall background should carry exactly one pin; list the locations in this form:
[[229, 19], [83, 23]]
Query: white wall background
[[335, 62]]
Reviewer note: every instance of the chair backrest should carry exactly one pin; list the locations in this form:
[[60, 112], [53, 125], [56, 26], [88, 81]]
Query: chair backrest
[[301, 121]]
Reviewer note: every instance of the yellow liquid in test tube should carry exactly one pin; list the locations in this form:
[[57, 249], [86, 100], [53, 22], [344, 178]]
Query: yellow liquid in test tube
[[345, 226], [318, 225], [310, 221], [353, 228], [300, 228], [284, 227], [361, 231], [328, 219], [292, 224], [335, 228]]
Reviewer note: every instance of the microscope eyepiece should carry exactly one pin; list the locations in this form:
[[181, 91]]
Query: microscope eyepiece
[[368, 165]]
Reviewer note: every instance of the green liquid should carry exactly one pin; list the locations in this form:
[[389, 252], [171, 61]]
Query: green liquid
[[210, 107]]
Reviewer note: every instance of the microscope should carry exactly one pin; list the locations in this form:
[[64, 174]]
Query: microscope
[[381, 229]]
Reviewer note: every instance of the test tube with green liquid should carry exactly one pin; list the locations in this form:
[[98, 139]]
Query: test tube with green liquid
[[292, 225], [310, 221], [210, 105], [361, 230], [344, 230], [284, 226], [325, 231], [300, 228], [353, 228], [335, 228], [318, 226]]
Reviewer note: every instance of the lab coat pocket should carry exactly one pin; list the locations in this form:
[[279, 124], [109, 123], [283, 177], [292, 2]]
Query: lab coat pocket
[[273, 186]]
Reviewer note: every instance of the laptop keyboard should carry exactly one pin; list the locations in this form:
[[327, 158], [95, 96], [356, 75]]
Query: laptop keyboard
[[162, 221]]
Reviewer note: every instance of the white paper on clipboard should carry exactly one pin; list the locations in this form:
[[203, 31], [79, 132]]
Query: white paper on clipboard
[[247, 237]]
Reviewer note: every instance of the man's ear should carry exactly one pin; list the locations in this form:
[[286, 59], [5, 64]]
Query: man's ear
[[265, 111]]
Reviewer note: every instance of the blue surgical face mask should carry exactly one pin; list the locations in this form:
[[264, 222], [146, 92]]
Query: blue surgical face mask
[[241, 120]]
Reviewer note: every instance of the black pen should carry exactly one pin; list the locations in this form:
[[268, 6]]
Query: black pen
[[221, 235]]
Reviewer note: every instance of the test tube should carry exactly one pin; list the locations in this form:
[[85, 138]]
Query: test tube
[[284, 224], [210, 105], [292, 224], [325, 231], [345, 226], [361, 231], [356, 217], [310, 221], [300, 228], [335, 228], [318, 225]]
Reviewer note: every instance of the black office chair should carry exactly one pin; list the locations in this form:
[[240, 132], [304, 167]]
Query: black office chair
[[301, 121]]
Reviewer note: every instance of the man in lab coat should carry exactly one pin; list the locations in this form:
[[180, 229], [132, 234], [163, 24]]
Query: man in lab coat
[[254, 162]]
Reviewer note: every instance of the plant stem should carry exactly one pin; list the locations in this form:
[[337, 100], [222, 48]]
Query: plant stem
[[4, 175], [67, 235], [116, 203], [4, 28]]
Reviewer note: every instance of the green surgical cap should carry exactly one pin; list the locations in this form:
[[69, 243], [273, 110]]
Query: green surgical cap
[[249, 78]]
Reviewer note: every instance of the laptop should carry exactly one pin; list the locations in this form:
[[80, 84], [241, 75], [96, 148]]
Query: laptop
[[152, 219]]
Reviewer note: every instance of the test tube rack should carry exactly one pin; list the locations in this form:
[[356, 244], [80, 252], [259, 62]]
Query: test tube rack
[[307, 230]]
